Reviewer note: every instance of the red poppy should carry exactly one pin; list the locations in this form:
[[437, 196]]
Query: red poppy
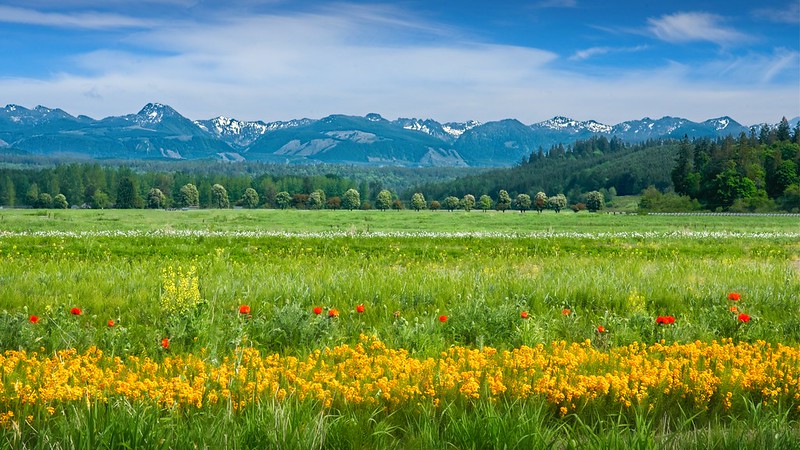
[[75, 311], [734, 296], [734, 309], [566, 311], [665, 320], [33, 319], [442, 318], [601, 329], [165, 343], [111, 322], [744, 318], [318, 310], [244, 309], [333, 312], [360, 308], [524, 314]]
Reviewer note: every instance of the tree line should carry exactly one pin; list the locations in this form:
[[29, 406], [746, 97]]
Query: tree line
[[96, 186], [755, 172]]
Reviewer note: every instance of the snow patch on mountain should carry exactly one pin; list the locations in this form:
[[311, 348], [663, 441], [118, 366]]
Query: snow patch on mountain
[[152, 114], [566, 124], [456, 129]]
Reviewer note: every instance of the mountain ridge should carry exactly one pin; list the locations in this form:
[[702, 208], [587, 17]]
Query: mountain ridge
[[158, 131]]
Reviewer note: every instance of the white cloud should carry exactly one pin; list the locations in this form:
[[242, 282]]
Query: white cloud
[[280, 67], [754, 68], [87, 20], [790, 14], [591, 52], [693, 27]]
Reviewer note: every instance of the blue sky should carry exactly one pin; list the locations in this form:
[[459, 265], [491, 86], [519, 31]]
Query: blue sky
[[448, 60]]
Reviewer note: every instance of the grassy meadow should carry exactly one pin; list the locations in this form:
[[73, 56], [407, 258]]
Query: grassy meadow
[[397, 329]]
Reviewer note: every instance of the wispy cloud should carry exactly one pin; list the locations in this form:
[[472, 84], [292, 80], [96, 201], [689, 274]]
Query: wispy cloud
[[591, 52], [361, 59], [790, 14], [86, 20], [754, 68], [694, 26]]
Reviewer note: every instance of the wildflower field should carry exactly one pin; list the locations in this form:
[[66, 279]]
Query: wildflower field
[[298, 329]]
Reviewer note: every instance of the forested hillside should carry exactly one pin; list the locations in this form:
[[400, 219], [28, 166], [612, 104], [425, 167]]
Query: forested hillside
[[755, 172], [594, 164]]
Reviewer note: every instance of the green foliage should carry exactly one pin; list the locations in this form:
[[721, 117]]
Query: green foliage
[[485, 202], [60, 202], [250, 198], [156, 199], [654, 201], [128, 194], [351, 199], [557, 202], [44, 201], [595, 201], [418, 201], [503, 200], [189, 196], [468, 202], [317, 200], [523, 202], [584, 166], [283, 200], [790, 201], [219, 197], [384, 200], [451, 203]]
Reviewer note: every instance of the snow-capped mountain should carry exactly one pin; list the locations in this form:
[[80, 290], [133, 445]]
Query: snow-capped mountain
[[232, 131], [456, 129], [561, 123], [427, 126], [159, 131], [242, 134], [18, 116]]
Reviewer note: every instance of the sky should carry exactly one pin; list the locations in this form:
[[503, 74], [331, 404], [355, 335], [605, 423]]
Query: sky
[[270, 60]]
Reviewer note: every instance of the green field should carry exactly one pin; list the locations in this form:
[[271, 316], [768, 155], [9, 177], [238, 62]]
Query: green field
[[183, 275], [381, 221]]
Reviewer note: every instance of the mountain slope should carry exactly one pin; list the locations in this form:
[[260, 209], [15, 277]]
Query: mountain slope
[[351, 139], [158, 131]]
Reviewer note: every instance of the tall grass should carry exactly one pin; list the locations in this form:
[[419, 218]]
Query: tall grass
[[481, 284], [405, 284]]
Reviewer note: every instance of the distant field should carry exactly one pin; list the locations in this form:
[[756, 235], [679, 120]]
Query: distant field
[[380, 221]]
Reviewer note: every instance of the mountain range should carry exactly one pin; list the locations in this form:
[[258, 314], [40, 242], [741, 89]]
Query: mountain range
[[159, 132]]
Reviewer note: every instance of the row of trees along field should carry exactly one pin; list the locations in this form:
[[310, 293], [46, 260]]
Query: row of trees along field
[[94, 186], [758, 172]]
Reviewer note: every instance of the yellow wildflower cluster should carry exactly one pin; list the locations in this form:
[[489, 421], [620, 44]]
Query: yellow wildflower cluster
[[567, 376], [180, 290]]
